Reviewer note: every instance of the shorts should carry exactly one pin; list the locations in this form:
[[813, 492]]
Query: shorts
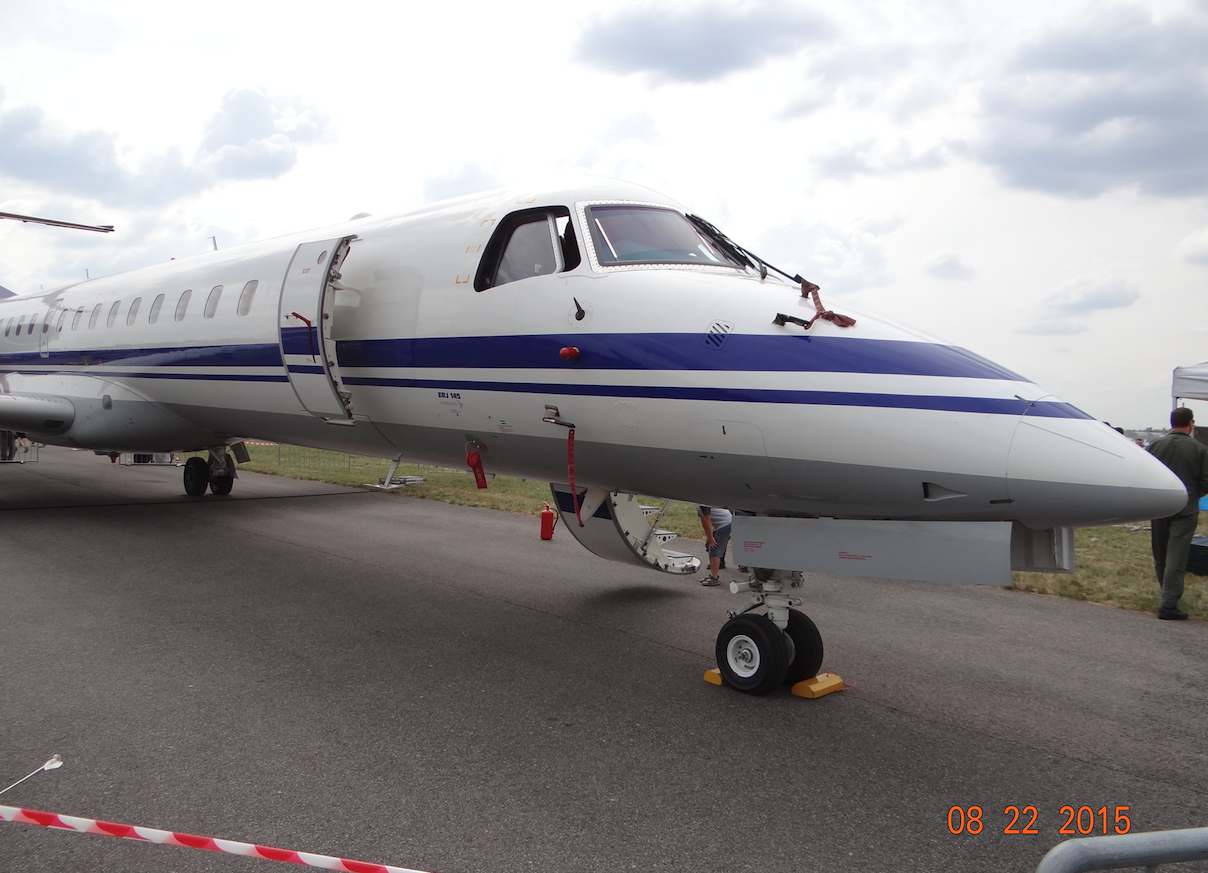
[[722, 538]]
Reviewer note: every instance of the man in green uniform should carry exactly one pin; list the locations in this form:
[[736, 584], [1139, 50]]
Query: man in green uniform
[[1171, 537]]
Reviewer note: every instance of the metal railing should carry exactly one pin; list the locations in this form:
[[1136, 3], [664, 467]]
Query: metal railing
[[17, 450], [1130, 850]]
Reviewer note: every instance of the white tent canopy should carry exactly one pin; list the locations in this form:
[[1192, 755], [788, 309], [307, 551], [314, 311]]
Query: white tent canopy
[[1191, 382]]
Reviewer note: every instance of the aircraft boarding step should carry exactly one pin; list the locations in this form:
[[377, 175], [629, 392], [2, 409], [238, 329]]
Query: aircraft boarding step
[[663, 536], [401, 481]]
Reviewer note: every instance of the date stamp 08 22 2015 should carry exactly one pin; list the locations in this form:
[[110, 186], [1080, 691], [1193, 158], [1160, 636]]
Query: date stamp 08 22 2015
[[1078, 821]]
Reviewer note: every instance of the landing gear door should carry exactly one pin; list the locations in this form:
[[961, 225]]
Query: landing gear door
[[305, 317]]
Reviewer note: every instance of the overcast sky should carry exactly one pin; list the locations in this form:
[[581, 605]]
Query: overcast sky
[[1028, 180]]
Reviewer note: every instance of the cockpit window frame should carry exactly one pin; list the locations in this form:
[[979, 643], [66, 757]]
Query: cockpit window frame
[[593, 258], [496, 247]]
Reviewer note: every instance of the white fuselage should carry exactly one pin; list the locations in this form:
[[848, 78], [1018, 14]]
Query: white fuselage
[[682, 387]]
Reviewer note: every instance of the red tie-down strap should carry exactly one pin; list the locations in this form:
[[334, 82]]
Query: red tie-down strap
[[810, 289], [474, 462], [570, 473]]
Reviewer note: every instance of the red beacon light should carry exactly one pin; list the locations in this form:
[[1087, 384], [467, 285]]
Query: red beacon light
[[569, 353]]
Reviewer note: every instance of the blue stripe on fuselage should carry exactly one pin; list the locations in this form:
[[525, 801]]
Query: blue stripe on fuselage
[[242, 355], [931, 402], [300, 340], [676, 351], [740, 353], [667, 352]]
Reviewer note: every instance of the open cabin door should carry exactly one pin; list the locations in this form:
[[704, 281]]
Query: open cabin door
[[305, 319]]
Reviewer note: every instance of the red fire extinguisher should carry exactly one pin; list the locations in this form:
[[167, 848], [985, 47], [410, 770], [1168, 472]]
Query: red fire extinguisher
[[547, 523]]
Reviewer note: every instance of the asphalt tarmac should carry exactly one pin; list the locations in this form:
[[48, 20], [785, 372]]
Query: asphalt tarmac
[[400, 681]]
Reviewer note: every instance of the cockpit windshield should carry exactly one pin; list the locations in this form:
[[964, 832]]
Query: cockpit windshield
[[624, 235]]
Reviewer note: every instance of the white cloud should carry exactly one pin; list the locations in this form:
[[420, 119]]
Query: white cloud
[[81, 27], [1068, 309], [700, 43], [1051, 326], [1193, 248], [870, 158], [1113, 99], [469, 178], [948, 265], [841, 259], [636, 125], [252, 136], [1086, 294]]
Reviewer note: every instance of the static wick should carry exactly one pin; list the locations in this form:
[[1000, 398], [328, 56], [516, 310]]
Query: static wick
[[54, 763]]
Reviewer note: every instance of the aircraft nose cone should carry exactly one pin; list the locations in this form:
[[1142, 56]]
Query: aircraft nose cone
[[1077, 472]]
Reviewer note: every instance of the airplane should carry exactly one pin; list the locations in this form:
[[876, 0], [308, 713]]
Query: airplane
[[596, 335]]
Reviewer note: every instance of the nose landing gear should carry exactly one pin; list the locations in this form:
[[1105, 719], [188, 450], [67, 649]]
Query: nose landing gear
[[756, 653]]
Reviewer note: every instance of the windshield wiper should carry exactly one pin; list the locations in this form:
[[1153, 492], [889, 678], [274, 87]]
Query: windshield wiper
[[738, 253], [808, 288]]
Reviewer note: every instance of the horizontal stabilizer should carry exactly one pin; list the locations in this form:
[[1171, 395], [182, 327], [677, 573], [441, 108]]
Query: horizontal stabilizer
[[36, 413]]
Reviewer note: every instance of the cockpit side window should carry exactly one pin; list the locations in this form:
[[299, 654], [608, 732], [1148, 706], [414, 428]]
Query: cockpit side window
[[533, 242], [626, 234]]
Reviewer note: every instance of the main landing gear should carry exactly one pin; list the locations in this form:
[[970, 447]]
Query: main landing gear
[[756, 652], [217, 474]]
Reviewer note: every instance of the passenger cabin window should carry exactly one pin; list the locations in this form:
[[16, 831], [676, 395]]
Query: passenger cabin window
[[32, 321], [534, 242], [62, 318], [182, 305], [212, 301], [624, 235], [246, 296], [20, 324], [133, 313], [75, 320], [117, 304], [156, 305], [96, 314]]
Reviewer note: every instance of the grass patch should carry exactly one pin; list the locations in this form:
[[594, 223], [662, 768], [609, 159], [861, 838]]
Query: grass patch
[[1114, 564], [448, 486]]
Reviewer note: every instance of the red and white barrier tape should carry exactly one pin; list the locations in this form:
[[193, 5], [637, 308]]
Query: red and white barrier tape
[[189, 841]]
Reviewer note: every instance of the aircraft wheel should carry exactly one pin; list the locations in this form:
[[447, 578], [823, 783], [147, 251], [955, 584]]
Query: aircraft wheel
[[197, 476], [222, 485], [806, 648], [752, 654]]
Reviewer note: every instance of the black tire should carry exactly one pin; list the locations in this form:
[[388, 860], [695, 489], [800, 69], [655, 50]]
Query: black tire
[[197, 476], [222, 485], [806, 648], [752, 654]]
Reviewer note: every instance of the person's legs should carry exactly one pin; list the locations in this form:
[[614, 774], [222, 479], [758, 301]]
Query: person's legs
[[1159, 536], [1182, 530], [721, 538]]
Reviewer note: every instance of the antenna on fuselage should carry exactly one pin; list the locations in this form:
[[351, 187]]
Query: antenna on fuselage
[[214, 240], [99, 228]]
